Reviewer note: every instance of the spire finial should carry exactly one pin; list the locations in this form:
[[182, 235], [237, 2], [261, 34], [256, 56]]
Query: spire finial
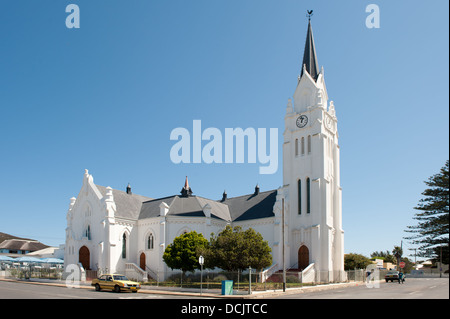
[[309, 14], [310, 64], [186, 190]]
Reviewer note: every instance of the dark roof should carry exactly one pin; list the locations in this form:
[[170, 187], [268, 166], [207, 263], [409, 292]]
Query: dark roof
[[5, 236], [185, 206], [252, 206], [22, 244], [309, 55], [127, 205], [232, 209]]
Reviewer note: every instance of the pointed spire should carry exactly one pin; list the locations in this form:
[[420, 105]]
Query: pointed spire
[[186, 190], [309, 55]]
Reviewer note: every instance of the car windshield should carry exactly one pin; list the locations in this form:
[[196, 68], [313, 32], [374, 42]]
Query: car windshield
[[120, 277]]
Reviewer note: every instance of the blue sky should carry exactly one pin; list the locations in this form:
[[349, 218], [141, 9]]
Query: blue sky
[[105, 97]]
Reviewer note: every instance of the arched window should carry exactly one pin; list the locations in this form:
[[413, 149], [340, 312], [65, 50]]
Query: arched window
[[296, 147], [299, 197], [124, 246], [308, 196], [303, 146], [88, 232], [150, 241], [309, 144]]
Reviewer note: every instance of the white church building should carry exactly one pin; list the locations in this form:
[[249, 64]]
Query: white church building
[[118, 231]]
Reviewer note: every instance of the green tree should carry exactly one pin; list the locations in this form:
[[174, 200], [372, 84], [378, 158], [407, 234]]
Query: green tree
[[385, 255], [233, 249], [358, 261], [397, 252], [432, 230], [184, 251]]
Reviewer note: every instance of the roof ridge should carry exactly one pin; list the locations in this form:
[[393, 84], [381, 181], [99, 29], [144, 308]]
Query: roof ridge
[[118, 190], [251, 194]]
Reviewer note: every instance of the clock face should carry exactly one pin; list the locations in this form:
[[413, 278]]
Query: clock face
[[302, 120]]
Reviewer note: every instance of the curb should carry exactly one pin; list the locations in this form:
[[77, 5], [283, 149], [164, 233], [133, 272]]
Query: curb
[[254, 295]]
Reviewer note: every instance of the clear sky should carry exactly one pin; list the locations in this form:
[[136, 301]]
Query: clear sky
[[106, 96]]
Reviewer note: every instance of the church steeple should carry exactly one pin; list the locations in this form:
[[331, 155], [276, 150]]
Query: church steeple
[[186, 191], [309, 55]]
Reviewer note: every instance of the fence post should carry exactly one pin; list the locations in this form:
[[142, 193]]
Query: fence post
[[249, 280]]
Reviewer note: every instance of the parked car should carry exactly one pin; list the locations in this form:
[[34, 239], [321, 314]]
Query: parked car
[[391, 275], [115, 282]]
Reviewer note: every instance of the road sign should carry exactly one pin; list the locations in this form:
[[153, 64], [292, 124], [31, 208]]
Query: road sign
[[402, 264], [201, 260]]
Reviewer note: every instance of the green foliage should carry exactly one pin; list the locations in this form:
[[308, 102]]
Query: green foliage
[[397, 252], [183, 253], [234, 249], [386, 256], [356, 261], [432, 230]]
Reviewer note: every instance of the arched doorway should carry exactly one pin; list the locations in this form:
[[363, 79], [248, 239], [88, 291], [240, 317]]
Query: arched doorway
[[84, 257], [142, 261], [303, 257]]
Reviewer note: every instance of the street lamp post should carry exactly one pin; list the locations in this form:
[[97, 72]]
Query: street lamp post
[[201, 261]]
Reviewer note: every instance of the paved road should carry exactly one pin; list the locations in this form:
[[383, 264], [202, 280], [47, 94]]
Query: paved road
[[19, 290], [413, 288]]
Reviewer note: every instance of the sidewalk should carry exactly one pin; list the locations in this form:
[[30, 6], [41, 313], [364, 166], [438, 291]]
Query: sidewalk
[[189, 292]]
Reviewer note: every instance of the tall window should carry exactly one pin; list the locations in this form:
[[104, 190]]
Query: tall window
[[87, 232], [124, 246], [308, 195], [296, 147], [303, 146], [299, 197], [309, 144], [150, 242]]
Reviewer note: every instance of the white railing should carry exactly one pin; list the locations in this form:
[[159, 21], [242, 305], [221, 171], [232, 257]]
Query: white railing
[[134, 272], [308, 274], [264, 275]]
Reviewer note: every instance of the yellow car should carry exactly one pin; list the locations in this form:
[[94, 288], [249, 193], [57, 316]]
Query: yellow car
[[115, 282]]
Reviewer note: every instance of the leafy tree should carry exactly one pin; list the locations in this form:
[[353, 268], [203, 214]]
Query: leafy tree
[[358, 261], [233, 249], [397, 252], [184, 251], [386, 256], [432, 230]]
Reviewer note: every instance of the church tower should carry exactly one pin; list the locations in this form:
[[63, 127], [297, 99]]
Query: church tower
[[311, 173]]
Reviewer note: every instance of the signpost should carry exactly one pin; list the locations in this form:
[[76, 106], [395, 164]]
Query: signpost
[[201, 261]]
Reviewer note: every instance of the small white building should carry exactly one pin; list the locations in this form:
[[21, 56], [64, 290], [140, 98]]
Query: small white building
[[110, 229]]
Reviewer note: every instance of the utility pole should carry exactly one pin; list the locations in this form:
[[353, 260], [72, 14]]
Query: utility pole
[[282, 240], [440, 266]]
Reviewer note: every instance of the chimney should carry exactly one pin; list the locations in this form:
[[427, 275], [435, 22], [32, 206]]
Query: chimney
[[256, 190], [129, 189], [224, 196]]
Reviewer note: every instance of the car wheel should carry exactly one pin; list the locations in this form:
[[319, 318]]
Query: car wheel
[[116, 288], [97, 287], [387, 280]]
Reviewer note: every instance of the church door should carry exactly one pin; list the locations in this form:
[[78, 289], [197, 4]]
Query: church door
[[84, 257], [142, 261], [303, 257]]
